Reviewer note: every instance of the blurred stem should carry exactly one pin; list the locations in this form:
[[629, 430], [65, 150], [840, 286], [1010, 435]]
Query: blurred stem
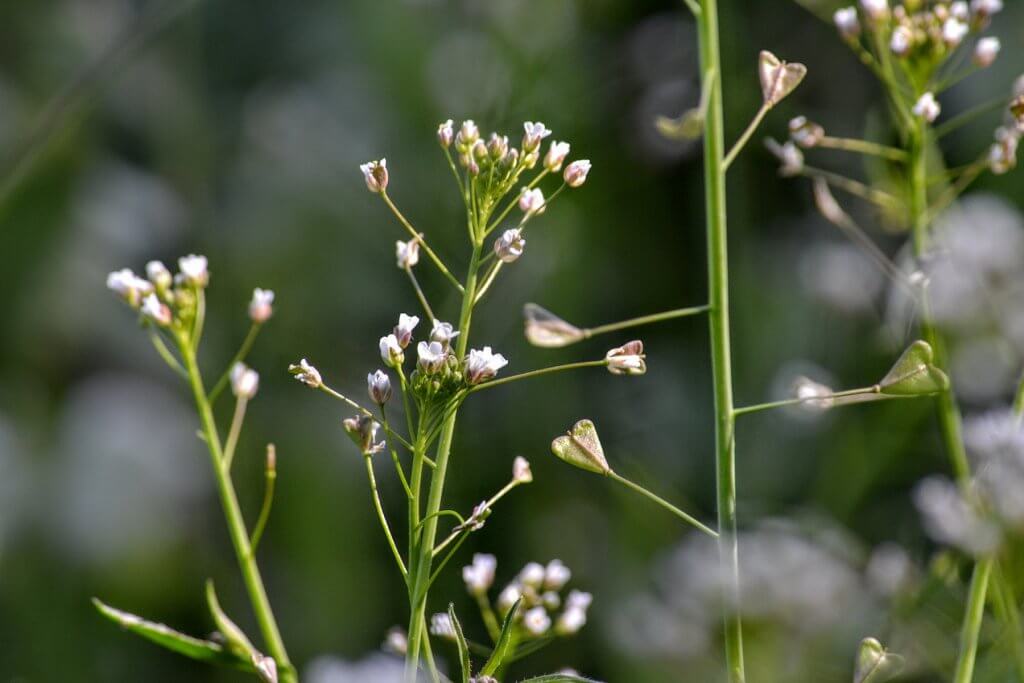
[[663, 503], [487, 614], [270, 477], [745, 136], [863, 147], [382, 517], [718, 316], [854, 187], [1018, 401], [969, 115], [423, 242], [419, 293], [644, 320], [236, 524], [200, 319], [240, 355], [538, 373], [161, 347], [975, 613], [236, 428]]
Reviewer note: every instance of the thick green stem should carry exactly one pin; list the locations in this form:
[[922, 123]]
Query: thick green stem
[[721, 364], [236, 524], [973, 617]]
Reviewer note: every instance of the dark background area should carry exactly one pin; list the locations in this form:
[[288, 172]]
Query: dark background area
[[235, 129]]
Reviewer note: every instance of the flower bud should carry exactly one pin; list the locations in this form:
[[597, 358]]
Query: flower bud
[[306, 373], [575, 174], [582, 447], [876, 10], [443, 333], [391, 351], [901, 41], [378, 385], [521, 472], [510, 245], [375, 173], [261, 307], [927, 107], [571, 621], [551, 600], [362, 429], [1002, 156], [556, 575], [131, 287], [155, 310], [407, 254], [441, 626], [778, 78], [545, 329], [265, 666], [805, 133], [467, 135], [431, 356], [510, 160], [479, 576], [536, 621], [533, 134], [445, 134], [555, 157], [396, 641], [789, 155], [532, 575], [531, 201], [158, 274], [984, 9], [244, 381], [403, 330], [508, 597], [847, 23], [497, 146], [479, 151], [986, 51], [482, 365], [627, 359], [953, 32], [193, 270]]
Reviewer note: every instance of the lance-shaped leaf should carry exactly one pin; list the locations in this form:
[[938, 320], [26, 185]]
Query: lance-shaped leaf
[[503, 646], [460, 641], [547, 330], [778, 78], [914, 373], [875, 664], [236, 639], [175, 641], [581, 447]]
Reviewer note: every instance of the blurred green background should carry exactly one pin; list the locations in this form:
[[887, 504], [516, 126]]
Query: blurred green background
[[132, 130]]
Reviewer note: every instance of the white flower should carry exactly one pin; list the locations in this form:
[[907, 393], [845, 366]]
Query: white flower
[[954, 31], [521, 472], [531, 201], [378, 385], [158, 274], [129, 285], [927, 107], [571, 621], [536, 621], [556, 575], [986, 8], [627, 359], [497, 146], [986, 51], [533, 134], [960, 10], [194, 270], [479, 576], [403, 330], [483, 365], [156, 310], [396, 641], [875, 9], [555, 157], [532, 575], [813, 394], [551, 600], [575, 174], [407, 254], [950, 519], [445, 134], [510, 245], [431, 356], [306, 373], [441, 626], [1002, 156], [443, 333], [846, 22], [508, 597], [391, 351], [244, 381], [261, 307], [901, 41], [805, 133], [579, 599], [375, 173]]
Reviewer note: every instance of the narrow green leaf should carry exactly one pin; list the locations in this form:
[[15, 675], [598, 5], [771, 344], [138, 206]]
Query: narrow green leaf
[[914, 373], [460, 641], [237, 641], [559, 678], [502, 647], [175, 641]]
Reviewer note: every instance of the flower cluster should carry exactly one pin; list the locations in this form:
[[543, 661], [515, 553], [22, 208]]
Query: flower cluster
[[538, 589]]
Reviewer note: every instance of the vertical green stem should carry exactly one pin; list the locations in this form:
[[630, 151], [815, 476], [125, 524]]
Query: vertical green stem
[[236, 524], [973, 617], [718, 284]]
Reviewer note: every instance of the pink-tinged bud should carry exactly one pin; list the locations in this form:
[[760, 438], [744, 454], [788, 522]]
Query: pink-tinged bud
[[306, 373], [407, 254], [375, 173], [431, 356], [479, 576], [378, 385], [556, 575], [467, 135], [847, 23], [628, 359], [482, 365], [986, 51], [131, 287], [575, 174], [1002, 156], [479, 151], [536, 621], [445, 134], [927, 107], [244, 381], [805, 133], [533, 135], [266, 667], [362, 429], [532, 575], [158, 274], [901, 42], [510, 245], [984, 9], [531, 201], [155, 310], [497, 146], [271, 466], [396, 641], [521, 472], [194, 270], [959, 10], [391, 351], [403, 330], [953, 32], [443, 333], [261, 307], [876, 10], [555, 157]]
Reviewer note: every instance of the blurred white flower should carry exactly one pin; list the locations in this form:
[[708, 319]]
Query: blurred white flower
[[555, 157], [378, 668], [846, 22], [536, 621], [194, 270], [244, 381], [445, 134], [407, 254], [441, 626], [875, 9], [531, 201], [156, 310], [889, 570], [521, 472], [575, 174], [261, 307], [479, 576], [509, 247], [951, 520], [954, 31], [927, 107], [986, 51], [556, 575], [158, 274]]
